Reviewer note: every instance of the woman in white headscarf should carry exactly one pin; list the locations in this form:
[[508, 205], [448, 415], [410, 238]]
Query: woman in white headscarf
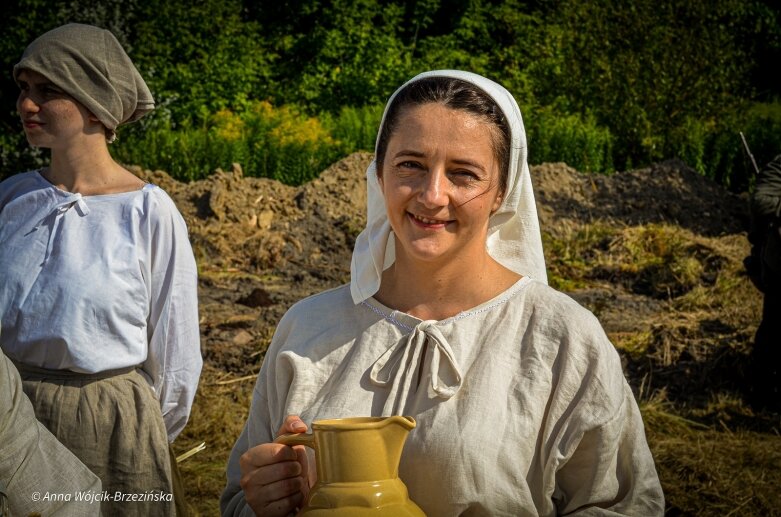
[[99, 289], [521, 404]]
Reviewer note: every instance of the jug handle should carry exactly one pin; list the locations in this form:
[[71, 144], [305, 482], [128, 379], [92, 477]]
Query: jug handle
[[296, 439]]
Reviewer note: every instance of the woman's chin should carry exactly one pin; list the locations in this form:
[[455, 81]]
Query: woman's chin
[[425, 253]]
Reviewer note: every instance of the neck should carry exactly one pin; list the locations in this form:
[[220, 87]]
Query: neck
[[89, 169], [438, 291]]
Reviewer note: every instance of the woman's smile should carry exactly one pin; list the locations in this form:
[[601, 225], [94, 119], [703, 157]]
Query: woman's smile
[[428, 222]]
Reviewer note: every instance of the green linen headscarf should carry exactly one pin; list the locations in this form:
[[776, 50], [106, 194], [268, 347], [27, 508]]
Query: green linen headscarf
[[90, 65]]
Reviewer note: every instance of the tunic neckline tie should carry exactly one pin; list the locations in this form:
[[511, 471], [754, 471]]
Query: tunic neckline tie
[[401, 367], [54, 217]]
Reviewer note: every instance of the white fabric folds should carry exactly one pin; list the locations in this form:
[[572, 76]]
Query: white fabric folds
[[98, 283], [514, 238], [403, 361]]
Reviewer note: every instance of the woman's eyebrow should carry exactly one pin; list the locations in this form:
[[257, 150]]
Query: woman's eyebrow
[[409, 152], [470, 163]]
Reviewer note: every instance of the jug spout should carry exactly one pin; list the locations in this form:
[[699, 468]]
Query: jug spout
[[407, 422], [394, 432]]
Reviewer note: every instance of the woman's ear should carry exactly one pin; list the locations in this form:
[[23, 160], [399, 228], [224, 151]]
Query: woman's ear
[[497, 202], [93, 118]]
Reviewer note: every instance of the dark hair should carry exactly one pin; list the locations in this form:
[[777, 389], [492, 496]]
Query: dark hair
[[458, 95]]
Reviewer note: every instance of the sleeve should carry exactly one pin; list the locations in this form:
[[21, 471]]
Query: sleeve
[[174, 360], [611, 471], [33, 461], [262, 422], [601, 463], [232, 501]]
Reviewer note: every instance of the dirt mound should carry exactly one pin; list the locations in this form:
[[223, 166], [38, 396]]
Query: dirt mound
[[262, 245], [668, 192]]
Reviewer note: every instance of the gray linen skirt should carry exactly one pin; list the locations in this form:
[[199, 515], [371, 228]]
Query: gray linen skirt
[[112, 422]]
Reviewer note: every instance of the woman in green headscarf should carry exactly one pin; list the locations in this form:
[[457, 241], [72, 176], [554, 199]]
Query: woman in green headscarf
[[99, 304]]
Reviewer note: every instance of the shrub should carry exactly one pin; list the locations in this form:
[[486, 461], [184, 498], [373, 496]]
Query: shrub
[[576, 140], [355, 128], [278, 143]]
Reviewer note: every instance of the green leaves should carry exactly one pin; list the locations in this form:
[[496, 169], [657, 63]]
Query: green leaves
[[602, 84]]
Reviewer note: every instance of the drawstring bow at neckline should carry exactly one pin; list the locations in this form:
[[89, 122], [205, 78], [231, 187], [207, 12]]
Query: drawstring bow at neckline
[[55, 215], [398, 366]]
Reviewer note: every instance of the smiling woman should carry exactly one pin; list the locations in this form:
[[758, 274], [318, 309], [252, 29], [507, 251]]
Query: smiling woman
[[440, 181], [440, 175], [520, 401]]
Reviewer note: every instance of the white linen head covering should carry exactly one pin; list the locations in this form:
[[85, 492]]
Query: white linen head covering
[[514, 238]]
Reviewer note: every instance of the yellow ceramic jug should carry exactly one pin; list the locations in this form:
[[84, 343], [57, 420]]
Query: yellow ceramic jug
[[357, 467]]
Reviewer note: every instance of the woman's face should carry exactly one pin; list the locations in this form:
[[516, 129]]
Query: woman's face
[[51, 118], [440, 180]]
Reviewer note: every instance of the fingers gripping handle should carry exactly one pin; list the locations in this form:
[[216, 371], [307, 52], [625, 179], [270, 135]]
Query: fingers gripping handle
[[296, 439]]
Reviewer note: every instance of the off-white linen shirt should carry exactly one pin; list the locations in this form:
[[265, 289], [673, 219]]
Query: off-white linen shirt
[[96, 283], [521, 404]]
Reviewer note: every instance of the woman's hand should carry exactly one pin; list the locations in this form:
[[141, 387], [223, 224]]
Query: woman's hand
[[275, 477]]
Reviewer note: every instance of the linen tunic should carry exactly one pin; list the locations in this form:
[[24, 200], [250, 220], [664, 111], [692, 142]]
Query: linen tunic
[[97, 283], [521, 404]]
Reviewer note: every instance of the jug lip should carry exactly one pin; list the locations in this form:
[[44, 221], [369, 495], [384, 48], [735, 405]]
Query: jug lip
[[363, 422]]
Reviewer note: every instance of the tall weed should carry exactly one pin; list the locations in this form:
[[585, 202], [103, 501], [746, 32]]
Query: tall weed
[[286, 144], [570, 138], [723, 158], [355, 128]]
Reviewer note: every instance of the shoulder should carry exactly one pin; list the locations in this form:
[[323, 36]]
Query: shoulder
[[334, 302], [560, 312], [570, 336], [769, 178], [20, 184], [158, 199], [159, 209], [329, 316], [775, 164], [582, 361], [20, 178]]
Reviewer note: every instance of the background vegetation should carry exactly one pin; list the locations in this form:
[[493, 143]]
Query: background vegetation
[[287, 87]]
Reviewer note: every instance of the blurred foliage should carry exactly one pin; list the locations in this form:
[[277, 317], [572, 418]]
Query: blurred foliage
[[278, 143], [578, 141], [604, 85]]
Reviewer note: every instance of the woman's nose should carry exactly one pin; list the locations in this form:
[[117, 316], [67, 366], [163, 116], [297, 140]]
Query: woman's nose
[[433, 190], [25, 104]]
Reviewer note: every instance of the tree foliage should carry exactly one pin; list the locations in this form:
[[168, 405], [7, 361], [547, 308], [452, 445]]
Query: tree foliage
[[605, 82], [644, 68]]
